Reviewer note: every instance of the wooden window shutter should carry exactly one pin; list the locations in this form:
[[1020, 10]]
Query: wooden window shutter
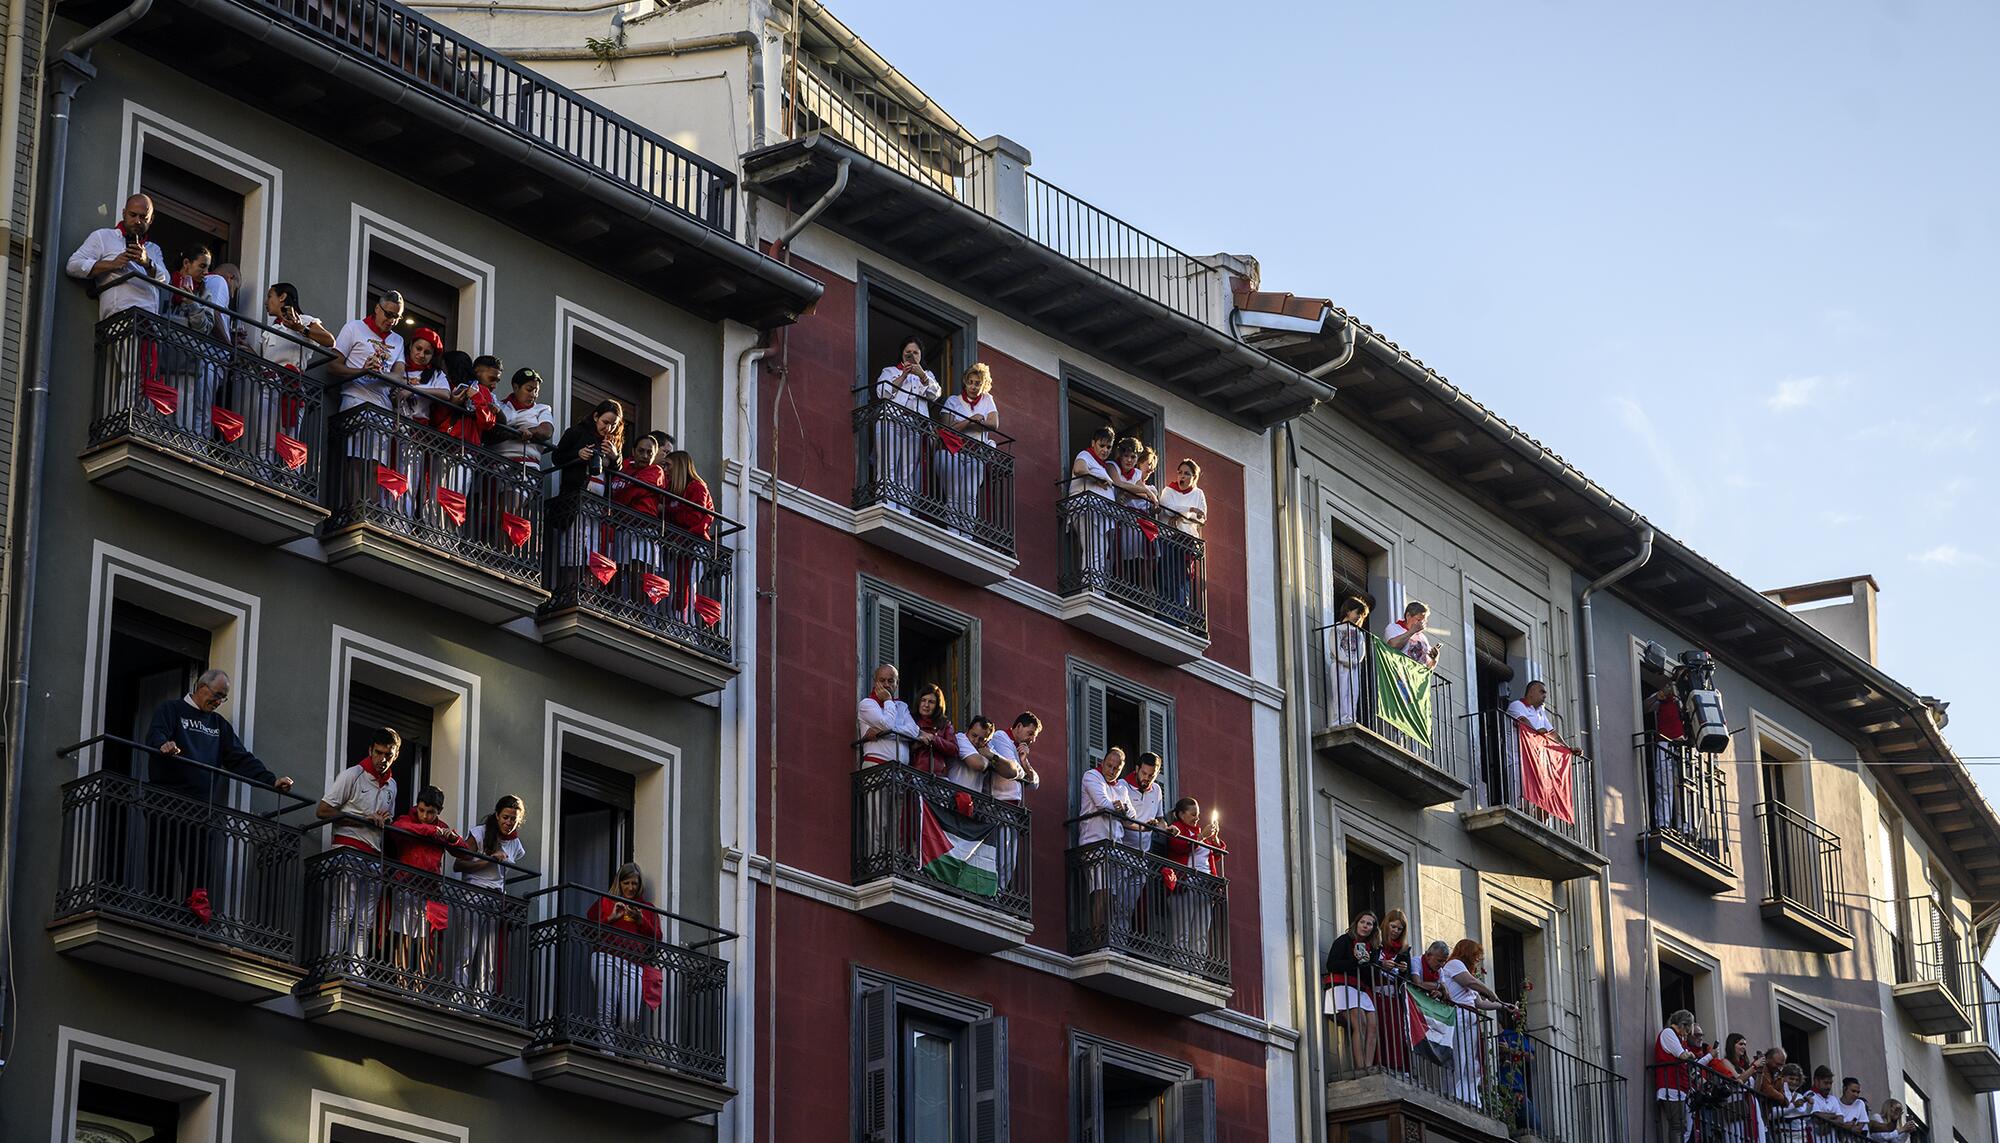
[[881, 615], [1191, 1111], [1348, 570], [875, 1049], [1088, 1091], [987, 1041], [1156, 739]]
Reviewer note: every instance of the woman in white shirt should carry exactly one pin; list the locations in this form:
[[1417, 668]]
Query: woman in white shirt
[[899, 469], [1349, 636], [499, 836], [1187, 509], [972, 415], [279, 411], [1089, 475], [1465, 990]]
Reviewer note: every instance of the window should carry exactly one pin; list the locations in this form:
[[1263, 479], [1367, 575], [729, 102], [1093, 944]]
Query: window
[[1348, 573], [1107, 711], [107, 1114], [891, 312], [1677, 992], [926, 644], [1121, 1094], [594, 822], [1365, 1131], [189, 210], [1915, 1100], [595, 378], [1805, 1039], [205, 190], [428, 302], [1090, 404], [598, 357], [930, 1067], [154, 659], [1496, 682], [1510, 960], [371, 708], [1367, 887], [433, 706], [110, 1091]]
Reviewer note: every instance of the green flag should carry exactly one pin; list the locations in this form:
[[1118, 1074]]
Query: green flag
[[1402, 692]]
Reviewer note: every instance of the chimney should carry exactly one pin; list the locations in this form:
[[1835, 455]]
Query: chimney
[[1841, 609]]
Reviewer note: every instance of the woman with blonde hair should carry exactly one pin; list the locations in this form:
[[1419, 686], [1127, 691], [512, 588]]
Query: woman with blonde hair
[[1392, 958], [967, 415], [624, 964]]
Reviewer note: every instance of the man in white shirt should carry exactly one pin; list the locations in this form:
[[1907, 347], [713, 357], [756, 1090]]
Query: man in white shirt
[[1089, 474], [883, 722], [1101, 797], [1531, 711], [975, 751], [368, 345], [1008, 775], [1823, 1106], [1148, 801], [1410, 636], [115, 250], [1677, 1055], [360, 801], [899, 443]]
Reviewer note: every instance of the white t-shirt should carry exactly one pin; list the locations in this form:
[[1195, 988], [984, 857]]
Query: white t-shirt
[[1147, 804], [283, 350], [1537, 717], [1094, 477], [961, 772], [1419, 646], [1181, 503], [1098, 794], [1007, 789], [353, 791], [892, 717], [1856, 1112], [911, 391], [955, 409], [1459, 994], [358, 345], [492, 876], [527, 420], [135, 293], [215, 288]]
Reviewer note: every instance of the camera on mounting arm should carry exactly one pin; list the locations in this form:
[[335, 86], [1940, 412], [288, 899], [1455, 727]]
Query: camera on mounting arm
[[1692, 677]]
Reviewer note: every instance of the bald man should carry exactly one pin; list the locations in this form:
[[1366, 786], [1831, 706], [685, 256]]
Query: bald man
[[114, 251]]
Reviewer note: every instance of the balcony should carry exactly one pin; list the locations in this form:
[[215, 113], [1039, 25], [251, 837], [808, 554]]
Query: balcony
[[1935, 979], [968, 213], [426, 961], [941, 498], [1721, 1108], [201, 428], [637, 593], [1148, 929], [621, 1011], [1975, 1054], [1485, 1075], [1687, 813], [430, 516], [169, 886], [1132, 578], [1553, 831], [1355, 736], [1803, 885], [377, 79], [941, 860]]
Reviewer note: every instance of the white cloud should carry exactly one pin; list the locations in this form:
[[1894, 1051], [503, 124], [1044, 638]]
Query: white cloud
[[1950, 556], [1797, 393]]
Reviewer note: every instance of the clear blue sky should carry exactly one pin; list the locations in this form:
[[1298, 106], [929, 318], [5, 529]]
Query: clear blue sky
[[1732, 260]]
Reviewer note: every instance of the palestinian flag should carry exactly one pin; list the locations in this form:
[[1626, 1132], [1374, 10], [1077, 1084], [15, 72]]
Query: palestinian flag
[[1431, 1022], [1402, 691], [959, 851]]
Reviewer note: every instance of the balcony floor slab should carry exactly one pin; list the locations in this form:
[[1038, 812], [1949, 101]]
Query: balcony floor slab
[[1131, 628], [1554, 855], [143, 471], [1360, 750], [896, 529], [1818, 932], [602, 1075], [1157, 986], [178, 958], [1932, 1010], [1384, 1091], [382, 1014], [1676, 855], [1978, 1064], [942, 916], [636, 652], [405, 565]]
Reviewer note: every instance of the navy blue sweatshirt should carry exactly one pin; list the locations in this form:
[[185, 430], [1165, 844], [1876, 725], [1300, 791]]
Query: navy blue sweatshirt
[[202, 736]]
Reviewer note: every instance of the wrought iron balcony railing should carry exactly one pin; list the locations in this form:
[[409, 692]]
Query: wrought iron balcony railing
[[897, 807], [646, 557], [954, 479], [433, 939], [1143, 904], [489, 86], [1350, 698], [1703, 1103], [1689, 800], [1503, 781], [612, 974], [1930, 950], [444, 494], [1142, 559], [179, 863], [1801, 862], [164, 383]]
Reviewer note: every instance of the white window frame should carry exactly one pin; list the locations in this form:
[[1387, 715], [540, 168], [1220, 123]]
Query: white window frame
[[1476, 597], [144, 130], [1763, 729], [206, 1091], [1543, 921], [655, 765], [1786, 1000], [1347, 824], [664, 366], [330, 1110], [474, 278], [1335, 508], [1711, 992], [230, 616], [454, 702]]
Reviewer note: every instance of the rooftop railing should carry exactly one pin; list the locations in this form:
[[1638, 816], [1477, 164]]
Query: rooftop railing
[[1801, 862], [1504, 782], [920, 146], [1351, 698], [493, 88], [1689, 800]]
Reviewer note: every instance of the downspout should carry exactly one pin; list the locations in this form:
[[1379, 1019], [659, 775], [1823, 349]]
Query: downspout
[[813, 211], [745, 722], [71, 70], [1605, 979], [1346, 352], [1311, 1096]]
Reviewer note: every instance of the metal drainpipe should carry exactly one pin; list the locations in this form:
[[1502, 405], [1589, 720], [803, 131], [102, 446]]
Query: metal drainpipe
[[69, 73], [746, 721], [813, 211], [1607, 979], [1346, 352]]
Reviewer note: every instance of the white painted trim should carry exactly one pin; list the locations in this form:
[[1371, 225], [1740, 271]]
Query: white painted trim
[[562, 722], [1344, 822], [1475, 595], [207, 1090], [1544, 918], [1827, 1018], [1682, 947], [1372, 528], [1764, 728], [231, 617], [473, 276], [330, 1111], [143, 130], [454, 726], [664, 365]]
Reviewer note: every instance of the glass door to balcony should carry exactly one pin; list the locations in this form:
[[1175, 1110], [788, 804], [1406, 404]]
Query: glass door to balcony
[[595, 378], [154, 659], [595, 831], [370, 708]]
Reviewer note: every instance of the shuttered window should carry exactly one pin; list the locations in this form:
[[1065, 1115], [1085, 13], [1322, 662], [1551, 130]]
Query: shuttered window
[[926, 644], [925, 1056], [1347, 572], [1490, 647], [1118, 1092], [1106, 712]]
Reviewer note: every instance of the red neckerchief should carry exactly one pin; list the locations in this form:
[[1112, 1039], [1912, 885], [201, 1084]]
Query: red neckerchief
[[520, 406], [1391, 951], [379, 331], [1142, 789], [651, 474], [382, 778], [1183, 486], [127, 234], [1186, 830]]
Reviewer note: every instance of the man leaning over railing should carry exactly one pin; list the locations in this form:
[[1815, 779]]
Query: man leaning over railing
[[1101, 802], [1003, 759], [1530, 713], [115, 250], [361, 800], [1677, 1051], [365, 349]]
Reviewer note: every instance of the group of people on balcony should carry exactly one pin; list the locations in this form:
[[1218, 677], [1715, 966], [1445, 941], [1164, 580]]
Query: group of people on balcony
[[1128, 810], [1730, 1095], [429, 438], [920, 456], [1126, 547], [1369, 974]]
